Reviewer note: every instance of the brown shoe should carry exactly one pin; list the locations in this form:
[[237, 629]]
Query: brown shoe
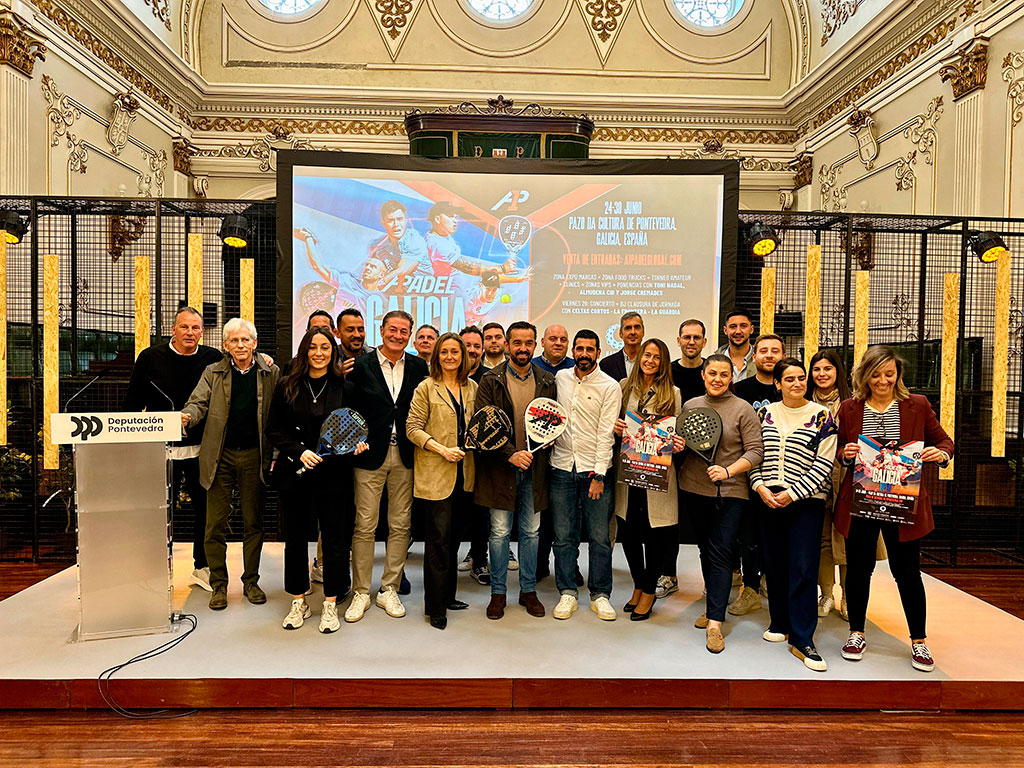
[[701, 622], [496, 608], [715, 641], [529, 601]]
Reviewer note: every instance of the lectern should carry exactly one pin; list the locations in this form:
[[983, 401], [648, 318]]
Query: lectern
[[122, 480]]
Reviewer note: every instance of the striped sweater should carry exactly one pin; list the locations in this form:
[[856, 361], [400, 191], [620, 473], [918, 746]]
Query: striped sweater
[[799, 449]]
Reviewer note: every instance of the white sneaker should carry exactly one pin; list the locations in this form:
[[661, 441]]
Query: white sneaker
[[825, 606], [666, 586], [329, 617], [356, 609], [201, 578], [466, 564], [513, 564], [603, 608], [774, 637], [316, 572], [388, 600], [567, 605], [297, 615]]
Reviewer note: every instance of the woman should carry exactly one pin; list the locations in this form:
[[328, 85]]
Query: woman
[[649, 519], [792, 480], [440, 408], [717, 521], [313, 387], [883, 409]]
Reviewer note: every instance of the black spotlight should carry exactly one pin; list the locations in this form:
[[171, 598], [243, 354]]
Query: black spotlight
[[763, 240], [987, 246], [234, 231], [14, 226]]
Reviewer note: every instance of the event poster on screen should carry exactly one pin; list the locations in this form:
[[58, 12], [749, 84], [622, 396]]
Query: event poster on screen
[[647, 451], [886, 480], [458, 249]]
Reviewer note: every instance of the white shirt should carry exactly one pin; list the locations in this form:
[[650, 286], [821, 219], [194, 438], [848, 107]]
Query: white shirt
[[593, 403], [629, 363], [179, 452], [394, 375]]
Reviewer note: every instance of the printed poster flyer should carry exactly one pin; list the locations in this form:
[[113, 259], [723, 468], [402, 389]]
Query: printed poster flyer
[[647, 451], [887, 480]]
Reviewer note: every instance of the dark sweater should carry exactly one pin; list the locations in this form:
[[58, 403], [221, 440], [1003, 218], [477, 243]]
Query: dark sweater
[[295, 427], [689, 381], [242, 430], [176, 374], [756, 393]]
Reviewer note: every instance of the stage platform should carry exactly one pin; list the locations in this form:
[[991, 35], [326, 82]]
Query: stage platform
[[241, 657]]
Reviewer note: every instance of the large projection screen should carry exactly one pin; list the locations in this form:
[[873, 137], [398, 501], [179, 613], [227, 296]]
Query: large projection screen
[[458, 242]]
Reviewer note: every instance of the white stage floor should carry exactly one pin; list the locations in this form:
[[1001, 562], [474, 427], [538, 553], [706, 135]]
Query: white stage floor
[[970, 639]]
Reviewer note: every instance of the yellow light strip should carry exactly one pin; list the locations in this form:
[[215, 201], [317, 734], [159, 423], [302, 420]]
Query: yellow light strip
[[950, 333], [768, 300], [51, 354]]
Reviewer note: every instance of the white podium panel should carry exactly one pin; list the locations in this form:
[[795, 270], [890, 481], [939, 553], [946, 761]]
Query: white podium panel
[[124, 548]]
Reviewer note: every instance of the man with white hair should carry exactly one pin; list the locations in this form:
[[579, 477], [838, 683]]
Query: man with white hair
[[233, 397]]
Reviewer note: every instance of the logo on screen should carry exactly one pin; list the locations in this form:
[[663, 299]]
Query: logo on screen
[[512, 199]]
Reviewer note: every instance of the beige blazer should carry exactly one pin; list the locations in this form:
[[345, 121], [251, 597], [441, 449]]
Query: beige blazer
[[431, 415], [662, 508]]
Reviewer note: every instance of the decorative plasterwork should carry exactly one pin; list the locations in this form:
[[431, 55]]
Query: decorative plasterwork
[[263, 149], [297, 125], [921, 131], [803, 171], [123, 112], [712, 149], [20, 45], [1012, 63], [60, 112], [604, 20], [162, 10], [153, 174], [689, 135], [122, 231], [182, 152], [862, 128], [905, 178], [835, 13], [393, 18], [499, 106], [967, 70]]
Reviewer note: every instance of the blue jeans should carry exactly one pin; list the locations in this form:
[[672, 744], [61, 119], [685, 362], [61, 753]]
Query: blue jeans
[[501, 527], [717, 530], [570, 506]]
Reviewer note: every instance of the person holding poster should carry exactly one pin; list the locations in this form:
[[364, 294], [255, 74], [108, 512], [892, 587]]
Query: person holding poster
[[579, 462], [648, 518], [883, 410], [793, 481]]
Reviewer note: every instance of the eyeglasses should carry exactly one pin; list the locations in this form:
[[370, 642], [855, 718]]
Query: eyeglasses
[[238, 340]]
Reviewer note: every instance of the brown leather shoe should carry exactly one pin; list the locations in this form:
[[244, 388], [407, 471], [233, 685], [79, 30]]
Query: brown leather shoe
[[529, 601], [496, 608]]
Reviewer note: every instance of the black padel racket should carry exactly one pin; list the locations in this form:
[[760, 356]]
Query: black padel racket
[[488, 429], [546, 420], [701, 428], [340, 433]]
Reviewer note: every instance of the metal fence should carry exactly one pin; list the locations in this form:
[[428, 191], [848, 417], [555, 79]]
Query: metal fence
[[978, 515]]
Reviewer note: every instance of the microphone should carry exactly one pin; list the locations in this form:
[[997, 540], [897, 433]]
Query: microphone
[[95, 378], [173, 408]]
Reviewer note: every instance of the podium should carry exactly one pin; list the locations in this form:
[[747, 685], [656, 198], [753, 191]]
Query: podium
[[122, 483]]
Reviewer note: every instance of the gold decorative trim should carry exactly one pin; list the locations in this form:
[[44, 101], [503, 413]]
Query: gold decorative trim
[[153, 175], [263, 148], [123, 112], [834, 14], [20, 45], [862, 128], [393, 19], [182, 152], [498, 106], [304, 126], [1013, 61], [968, 71], [604, 17], [61, 112], [122, 231], [162, 10], [689, 135], [905, 178], [803, 170], [921, 131]]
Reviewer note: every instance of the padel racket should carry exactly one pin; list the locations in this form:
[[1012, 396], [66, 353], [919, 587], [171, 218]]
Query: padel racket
[[317, 295], [546, 420], [340, 433], [488, 429], [701, 428]]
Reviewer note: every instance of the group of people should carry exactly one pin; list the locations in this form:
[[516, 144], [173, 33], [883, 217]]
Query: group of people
[[771, 514]]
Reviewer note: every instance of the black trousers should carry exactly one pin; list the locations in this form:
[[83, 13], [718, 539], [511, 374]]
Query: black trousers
[[643, 545], [440, 552], [904, 562], [186, 472], [474, 525]]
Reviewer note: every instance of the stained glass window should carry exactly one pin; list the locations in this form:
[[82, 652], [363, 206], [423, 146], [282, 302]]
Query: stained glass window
[[289, 7], [500, 10], [708, 13]]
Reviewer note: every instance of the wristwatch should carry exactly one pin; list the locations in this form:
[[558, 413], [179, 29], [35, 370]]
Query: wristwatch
[[598, 478]]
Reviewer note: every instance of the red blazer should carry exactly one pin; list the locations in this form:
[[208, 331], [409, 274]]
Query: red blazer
[[917, 422]]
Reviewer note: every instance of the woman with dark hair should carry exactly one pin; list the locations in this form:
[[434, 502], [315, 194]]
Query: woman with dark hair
[[648, 519], [799, 452], [443, 472], [717, 520], [312, 388], [883, 409]]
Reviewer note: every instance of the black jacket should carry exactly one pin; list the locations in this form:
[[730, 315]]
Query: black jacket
[[295, 427], [615, 365], [371, 397]]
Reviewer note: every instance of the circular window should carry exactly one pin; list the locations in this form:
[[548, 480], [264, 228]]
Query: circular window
[[289, 7], [500, 10], [708, 13]]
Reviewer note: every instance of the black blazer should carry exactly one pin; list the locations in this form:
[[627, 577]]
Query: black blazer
[[615, 365], [371, 397], [295, 427]]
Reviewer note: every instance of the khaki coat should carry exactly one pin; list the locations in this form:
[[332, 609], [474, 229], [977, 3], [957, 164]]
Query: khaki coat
[[431, 415]]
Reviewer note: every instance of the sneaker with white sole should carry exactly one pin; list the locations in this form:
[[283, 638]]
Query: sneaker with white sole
[[748, 601], [921, 657], [466, 564], [810, 657], [666, 586], [513, 564], [329, 617], [388, 599], [567, 605], [603, 608], [201, 578], [316, 572], [853, 648], [482, 575], [298, 613], [774, 637], [825, 606], [737, 579], [356, 609]]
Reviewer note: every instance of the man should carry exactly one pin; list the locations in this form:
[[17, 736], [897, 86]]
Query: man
[[494, 345], [758, 390], [382, 387], [321, 318], [402, 250], [555, 344], [511, 480], [351, 333], [445, 252], [162, 380], [426, 337], [348, 289], [687, 376], [475, 520], [738, 328], [473, 338], [631, 330], [233, 397], [579, 463]]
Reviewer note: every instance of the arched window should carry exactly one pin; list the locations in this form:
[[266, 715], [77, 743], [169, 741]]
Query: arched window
[[500, 10], [289, 7], [708, 13]]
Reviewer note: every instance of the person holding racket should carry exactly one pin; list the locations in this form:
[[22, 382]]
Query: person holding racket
[[307, 482], [648, 519], [443, 471], [715, 488]]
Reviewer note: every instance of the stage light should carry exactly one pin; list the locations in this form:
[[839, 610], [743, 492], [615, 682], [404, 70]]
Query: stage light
[[987, 246], [763, 240], [234, 231], [14, 226]]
